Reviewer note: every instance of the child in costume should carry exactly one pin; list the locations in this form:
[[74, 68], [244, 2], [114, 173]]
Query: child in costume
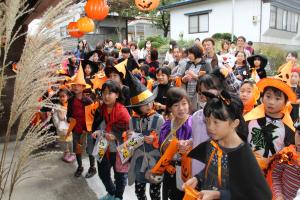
[[113, 118], [175, 142], [270, 124], [241, 69], [249, 94], [146, 122], [257, 66], [231, 170], [295, 78], [145, 78], [79, 109], [161, 88], [117, 74], [285, 170], [61, 124]]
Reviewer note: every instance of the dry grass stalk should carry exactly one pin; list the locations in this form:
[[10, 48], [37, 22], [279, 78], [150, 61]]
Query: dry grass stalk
[[36, 73]]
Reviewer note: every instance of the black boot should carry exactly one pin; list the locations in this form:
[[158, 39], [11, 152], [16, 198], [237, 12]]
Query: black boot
[[78, 172], [91, 172]]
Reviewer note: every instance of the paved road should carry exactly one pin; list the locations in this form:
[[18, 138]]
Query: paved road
[[54, 180]]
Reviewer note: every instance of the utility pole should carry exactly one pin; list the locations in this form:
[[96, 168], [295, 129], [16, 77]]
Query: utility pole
[[232, 20]]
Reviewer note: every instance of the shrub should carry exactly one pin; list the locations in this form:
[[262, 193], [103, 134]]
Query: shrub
[[223, 36], [141, 44], [156, 45], [185, 43], [157, 41]]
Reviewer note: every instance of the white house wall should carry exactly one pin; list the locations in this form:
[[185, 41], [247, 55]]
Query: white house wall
[[220, 20], [180, 22]]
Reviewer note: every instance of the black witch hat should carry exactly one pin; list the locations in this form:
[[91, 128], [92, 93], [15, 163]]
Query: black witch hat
[[139, 94]]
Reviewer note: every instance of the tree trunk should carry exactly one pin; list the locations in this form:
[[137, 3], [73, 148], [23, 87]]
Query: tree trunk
[[166, 31]]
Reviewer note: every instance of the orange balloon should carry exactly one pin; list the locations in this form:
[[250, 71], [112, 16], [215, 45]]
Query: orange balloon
[[147, 5], [85, 25], [97, 9], [73, 31]]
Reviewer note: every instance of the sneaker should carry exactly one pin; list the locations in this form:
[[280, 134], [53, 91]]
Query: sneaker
[[66, 156], [92, 171], [107, 197], [71, 158], [78, 172]]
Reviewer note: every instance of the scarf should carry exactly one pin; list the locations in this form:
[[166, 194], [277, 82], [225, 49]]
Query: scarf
[[115, 119]]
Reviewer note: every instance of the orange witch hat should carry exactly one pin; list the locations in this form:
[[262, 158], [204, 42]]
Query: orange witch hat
[[79, 77], [281, 81], [98, 82]]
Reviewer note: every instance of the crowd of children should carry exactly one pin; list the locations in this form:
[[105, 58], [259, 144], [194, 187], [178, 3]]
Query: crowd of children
[[198, 126]]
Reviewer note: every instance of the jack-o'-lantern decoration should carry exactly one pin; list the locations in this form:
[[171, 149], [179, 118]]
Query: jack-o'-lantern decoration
[[85, 25], [147, 5], [73, 31], [97, 9]]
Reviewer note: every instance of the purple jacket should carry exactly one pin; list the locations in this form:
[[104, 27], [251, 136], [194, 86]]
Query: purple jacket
[[199, 135], [183, 133]]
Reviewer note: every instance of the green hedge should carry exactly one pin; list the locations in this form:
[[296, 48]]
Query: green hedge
[[157, 41], [223, 36]]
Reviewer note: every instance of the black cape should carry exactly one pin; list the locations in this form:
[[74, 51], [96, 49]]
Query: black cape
[[246, 179]]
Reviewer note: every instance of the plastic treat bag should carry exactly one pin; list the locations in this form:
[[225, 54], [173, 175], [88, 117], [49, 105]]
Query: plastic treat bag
[[191, 194], [126, 149], [100, 147]]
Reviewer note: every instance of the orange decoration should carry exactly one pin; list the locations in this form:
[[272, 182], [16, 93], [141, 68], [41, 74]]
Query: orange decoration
[[73, 31], [97, 9], [86, 24], [147, 5]]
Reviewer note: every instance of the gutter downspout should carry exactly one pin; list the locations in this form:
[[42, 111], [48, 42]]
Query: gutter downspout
[[260, 21], [232, 21]]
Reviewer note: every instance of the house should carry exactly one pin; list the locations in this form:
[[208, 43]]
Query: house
[[140, 29], [266, 21]]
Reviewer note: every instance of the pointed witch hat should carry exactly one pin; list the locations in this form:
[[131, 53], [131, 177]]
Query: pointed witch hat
[[79, 78], [139, 94], [119, 69], [280, 81], [98, 82]]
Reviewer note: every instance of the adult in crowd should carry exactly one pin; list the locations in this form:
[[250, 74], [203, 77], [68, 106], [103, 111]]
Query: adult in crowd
[[210, 56], [169, 55], [240, 46], [225, 45]]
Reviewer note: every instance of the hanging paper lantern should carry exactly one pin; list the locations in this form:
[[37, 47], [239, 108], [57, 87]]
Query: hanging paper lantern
[[73, 31], [147, 5], [97, 9], [86, 25]]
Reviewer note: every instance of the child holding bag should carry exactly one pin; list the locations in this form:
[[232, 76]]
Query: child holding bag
[[113, 118], [61, 125], [175, 141], [146, 122], [231, 170]]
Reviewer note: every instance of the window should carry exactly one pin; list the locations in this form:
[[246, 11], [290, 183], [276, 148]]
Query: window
[[279, 20], [273, 17], [198, 23], [283, 19], [193, 24]]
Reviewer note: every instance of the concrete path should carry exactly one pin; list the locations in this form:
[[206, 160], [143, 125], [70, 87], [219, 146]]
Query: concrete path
[[54, 180]]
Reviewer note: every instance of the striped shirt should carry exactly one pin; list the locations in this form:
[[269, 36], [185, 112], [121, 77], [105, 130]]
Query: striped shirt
[[286, 180]]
